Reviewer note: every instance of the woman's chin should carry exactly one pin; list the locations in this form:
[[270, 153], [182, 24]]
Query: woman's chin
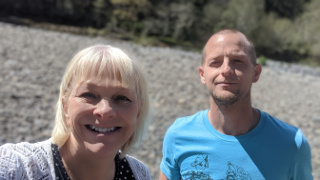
[[101, 149]]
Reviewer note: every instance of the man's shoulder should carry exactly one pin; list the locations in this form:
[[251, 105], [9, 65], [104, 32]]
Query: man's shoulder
[[277, 123], [191, 119], [188, 123], [284, 131]]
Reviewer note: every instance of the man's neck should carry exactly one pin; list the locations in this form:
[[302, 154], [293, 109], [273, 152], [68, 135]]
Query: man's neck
[[236, 119]]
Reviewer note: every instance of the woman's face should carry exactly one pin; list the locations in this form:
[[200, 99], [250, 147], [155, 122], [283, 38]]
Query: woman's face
[[101, 114]]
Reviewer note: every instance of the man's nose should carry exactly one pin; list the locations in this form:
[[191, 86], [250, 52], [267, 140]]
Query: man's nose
[[104, 109], [226, 68]]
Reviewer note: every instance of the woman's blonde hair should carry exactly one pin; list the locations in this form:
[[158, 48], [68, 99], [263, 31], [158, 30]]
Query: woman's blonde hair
[[101, 61]]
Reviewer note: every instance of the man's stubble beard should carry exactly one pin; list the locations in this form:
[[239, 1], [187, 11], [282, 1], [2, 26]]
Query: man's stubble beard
[[226, 101]]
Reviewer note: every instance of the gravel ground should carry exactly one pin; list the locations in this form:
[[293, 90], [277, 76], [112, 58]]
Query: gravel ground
[[32, 62]]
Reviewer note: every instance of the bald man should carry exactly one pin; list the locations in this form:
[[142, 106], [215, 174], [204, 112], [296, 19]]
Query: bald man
[[231, 139]]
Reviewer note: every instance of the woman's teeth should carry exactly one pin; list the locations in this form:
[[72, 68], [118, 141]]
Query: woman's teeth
[[102, 130]]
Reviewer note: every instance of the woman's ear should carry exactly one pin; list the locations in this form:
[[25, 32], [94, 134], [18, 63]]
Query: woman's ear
[[65, 108]]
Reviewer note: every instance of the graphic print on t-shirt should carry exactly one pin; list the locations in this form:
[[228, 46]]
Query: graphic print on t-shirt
[[201, 163], [235, 172]]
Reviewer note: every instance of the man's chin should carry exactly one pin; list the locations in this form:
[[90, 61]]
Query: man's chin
[[225, 100]]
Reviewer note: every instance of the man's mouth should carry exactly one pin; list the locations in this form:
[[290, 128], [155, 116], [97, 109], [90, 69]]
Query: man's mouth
[[102, 130], [225, 83]]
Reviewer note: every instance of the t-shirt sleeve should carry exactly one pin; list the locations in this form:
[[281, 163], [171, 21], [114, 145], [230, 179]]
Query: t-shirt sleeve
[[169, 165], [302, 164]]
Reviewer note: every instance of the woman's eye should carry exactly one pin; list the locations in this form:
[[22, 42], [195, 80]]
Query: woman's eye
[[122, 98], [88, 95]]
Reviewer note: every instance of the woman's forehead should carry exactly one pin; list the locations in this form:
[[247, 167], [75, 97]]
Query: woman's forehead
[[105, 73], [100, 81]]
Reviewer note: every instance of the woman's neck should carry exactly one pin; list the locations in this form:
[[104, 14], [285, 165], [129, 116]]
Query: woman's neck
[[82, 165]]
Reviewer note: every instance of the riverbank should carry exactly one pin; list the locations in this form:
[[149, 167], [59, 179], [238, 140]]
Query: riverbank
[[32, 62]]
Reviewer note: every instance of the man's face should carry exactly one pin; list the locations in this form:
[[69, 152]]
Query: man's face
[[227, 70]]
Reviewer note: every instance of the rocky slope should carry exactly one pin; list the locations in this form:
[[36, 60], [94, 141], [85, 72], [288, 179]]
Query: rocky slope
[[32, 62]]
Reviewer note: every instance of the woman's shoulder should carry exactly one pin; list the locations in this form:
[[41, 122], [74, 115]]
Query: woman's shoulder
[[25, 149], [139, 169], [18, 160]]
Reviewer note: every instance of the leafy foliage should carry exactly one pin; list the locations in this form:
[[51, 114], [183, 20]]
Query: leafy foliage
[[286, 8], [286, 30], [262, 60]]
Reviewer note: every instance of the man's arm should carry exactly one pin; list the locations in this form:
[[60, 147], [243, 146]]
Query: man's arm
[[302, 166], [162, 176]]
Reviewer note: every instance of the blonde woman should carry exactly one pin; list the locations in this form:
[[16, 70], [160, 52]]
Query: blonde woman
[[101, 113]]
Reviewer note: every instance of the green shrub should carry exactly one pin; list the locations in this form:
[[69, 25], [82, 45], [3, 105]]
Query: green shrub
[[262, 60]]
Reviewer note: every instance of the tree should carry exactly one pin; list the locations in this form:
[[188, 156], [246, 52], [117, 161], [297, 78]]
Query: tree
[[101, 13], [285, 8], [127, 14], [245, 17]]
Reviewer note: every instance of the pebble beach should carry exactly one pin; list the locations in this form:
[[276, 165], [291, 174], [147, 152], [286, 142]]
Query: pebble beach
[[32, 62]]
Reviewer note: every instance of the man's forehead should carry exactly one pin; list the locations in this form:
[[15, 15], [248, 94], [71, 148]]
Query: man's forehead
[[221, 47], [229, 37], [229, 41], [226, 52], [219, 38]]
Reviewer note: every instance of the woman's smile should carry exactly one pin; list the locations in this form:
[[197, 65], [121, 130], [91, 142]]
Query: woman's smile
[[102, 130]]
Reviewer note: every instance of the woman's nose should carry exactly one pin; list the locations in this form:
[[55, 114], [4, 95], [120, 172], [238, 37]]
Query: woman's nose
[[104, 109]]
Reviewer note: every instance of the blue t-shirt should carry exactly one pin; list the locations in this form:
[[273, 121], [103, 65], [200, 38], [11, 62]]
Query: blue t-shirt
[[273, 150]]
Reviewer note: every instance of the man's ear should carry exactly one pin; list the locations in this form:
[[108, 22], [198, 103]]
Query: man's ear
[[201, 73], [257, 72]]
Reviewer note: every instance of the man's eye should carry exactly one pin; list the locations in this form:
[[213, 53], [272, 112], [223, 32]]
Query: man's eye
[[122, 98], [214, 63], [237, 61]]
